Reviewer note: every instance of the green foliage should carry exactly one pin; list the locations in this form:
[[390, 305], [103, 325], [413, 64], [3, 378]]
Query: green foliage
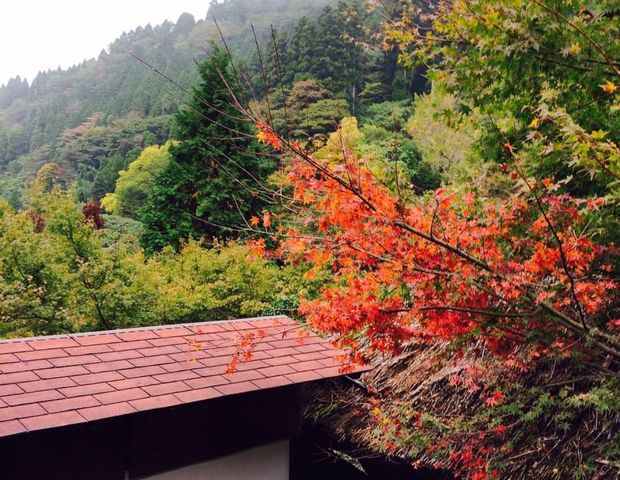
[[59, 274], [322, 116], [307, 111], [121, 230], [107, 175], [237, 16], [95, 154], [391, 115], [197, 284], [134, 184], [212, 184], [167, 216], [446, 138], [423, 176], [544, 76], [391, 156], [394, 156], [91, 154]]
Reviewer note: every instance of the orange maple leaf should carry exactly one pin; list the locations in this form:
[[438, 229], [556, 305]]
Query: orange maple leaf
[[267, 219], [609, 87]]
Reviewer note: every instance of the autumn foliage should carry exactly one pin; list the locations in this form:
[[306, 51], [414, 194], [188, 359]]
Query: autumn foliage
[[520, 272], [489, 306], [445, 267]]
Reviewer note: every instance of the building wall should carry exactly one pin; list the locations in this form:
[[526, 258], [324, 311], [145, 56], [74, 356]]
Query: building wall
[[146, 445], [267, 462]]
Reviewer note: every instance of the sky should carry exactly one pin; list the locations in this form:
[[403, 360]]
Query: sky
[[40, 35]]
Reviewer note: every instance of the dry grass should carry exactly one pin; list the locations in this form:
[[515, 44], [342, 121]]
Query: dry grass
[[562, 418]]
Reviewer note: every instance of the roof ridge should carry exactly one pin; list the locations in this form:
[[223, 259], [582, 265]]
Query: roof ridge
[[138, 329]]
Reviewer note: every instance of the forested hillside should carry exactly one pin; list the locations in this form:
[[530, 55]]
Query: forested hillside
[[120, 96], [433, 185], [94, 118]]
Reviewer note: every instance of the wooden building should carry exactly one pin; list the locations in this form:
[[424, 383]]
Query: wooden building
[[160, 403]]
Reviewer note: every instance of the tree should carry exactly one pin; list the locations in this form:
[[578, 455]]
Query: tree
[[335, 48], [446, 138], [302, 50], [557, 96], [489, 290], [62, 271], [185, 24], [452, 270], [134, 184], [341, 60], [213, 181], [307, 112], [107, 176]]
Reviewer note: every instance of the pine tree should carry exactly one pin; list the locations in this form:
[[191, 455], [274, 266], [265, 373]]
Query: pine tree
[[211, 183]]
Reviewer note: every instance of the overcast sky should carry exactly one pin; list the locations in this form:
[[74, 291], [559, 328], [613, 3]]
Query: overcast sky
[[44, 34]]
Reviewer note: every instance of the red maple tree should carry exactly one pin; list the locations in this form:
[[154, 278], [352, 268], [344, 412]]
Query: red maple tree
[[520, 273], [446, 267]]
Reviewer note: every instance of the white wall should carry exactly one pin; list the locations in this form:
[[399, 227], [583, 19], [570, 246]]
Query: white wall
[[267, 462]]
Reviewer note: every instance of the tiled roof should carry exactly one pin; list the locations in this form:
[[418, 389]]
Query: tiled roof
[[48, 382]]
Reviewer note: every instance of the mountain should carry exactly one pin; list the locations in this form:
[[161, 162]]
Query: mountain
[[114, 92]]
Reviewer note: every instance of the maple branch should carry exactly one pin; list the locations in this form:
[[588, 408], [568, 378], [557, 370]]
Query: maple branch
[[239, 73], [415, 268], [437, 204], [559, 316], [466, 256], [604, 342], [281, 77], [554, 232], [591, 334], [479, 311], [263, 72], [566, 65]]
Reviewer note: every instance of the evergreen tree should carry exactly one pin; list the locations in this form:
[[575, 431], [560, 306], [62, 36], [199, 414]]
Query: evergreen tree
[[106, 176], [333, 49], [302, 55], [210, 184]]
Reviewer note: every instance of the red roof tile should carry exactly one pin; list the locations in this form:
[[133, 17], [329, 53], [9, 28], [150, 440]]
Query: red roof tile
[[10, 378], [97, 378], [7, 358], [39, 385], [121, 396], [49, 382], [13, 347], [272, 382], [24, 366], [241, 387], [106, 411], [11, 428], [49, 343], [86, 390], [97, 339], [52, 420], [198, 394], [160, 401], [41, 355], [9, 390]]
